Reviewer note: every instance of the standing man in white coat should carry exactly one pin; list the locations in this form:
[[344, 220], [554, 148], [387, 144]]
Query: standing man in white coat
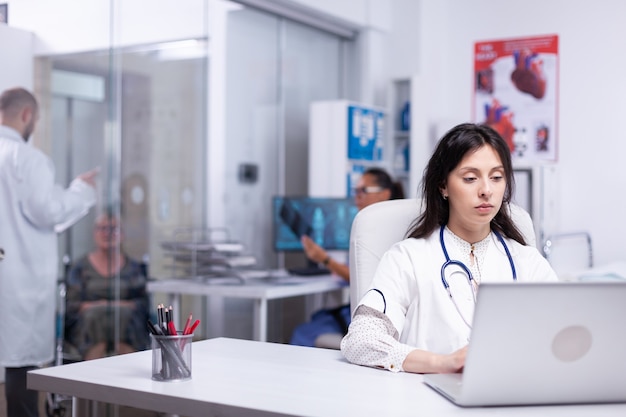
[[30, 207]]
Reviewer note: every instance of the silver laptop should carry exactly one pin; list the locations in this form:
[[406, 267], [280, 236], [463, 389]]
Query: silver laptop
[[543, 343]]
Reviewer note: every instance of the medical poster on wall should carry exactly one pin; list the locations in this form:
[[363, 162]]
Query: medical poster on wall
[[355, 173], [366, 128], [516, 93]]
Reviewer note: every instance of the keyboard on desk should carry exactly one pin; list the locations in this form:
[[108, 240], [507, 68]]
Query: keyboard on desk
[[308, 271]]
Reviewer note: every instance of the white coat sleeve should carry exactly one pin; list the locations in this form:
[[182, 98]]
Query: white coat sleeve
[[44, 203], [373, 335], [373, 341]]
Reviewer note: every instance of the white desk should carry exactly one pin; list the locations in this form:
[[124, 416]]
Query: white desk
[[259, 291], [242, 378]]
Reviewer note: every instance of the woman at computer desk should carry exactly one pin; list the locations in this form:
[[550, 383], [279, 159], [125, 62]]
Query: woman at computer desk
[[375, 185], [408, 321]]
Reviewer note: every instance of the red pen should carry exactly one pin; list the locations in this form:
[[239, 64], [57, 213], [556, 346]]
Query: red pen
[[193, 327], [188, 332], [171, 328], [186, 328]]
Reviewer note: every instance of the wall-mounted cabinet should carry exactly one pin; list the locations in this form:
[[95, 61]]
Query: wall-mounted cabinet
[[409, 145], [345, 139], [400, 131]]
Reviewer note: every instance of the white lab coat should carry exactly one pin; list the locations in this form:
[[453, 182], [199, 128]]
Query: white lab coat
[[409, 276], [30, 206]]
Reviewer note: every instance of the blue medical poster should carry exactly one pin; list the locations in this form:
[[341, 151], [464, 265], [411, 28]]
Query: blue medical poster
[[354, 175], [366, 129]]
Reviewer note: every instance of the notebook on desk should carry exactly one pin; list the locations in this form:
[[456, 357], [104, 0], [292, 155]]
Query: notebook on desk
[[543, 343]]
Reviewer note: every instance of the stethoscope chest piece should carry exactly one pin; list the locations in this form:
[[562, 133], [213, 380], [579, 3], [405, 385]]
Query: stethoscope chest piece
[[466, 271]]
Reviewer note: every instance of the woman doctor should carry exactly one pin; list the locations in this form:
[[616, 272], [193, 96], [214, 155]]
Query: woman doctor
[[407, 321]]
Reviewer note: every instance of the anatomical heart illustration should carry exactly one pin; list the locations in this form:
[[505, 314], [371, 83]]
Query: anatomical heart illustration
[[516, 93], [528, 74]]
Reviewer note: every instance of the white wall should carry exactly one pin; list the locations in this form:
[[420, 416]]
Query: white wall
[[592, 91], [86, 25], [376, 14], [16, 50], [404, 38]]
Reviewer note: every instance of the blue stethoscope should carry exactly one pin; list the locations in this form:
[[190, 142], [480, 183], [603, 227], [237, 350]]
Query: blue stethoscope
[[470, 278]]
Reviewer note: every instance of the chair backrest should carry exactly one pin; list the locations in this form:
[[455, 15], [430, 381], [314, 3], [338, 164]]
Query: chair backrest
[[569, 253], [377, 227]]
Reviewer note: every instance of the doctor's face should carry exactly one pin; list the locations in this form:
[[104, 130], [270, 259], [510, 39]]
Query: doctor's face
[[475, 189]]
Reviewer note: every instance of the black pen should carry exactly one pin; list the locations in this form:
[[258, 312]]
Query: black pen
[[166, 318], [160, 314], [155, 330]]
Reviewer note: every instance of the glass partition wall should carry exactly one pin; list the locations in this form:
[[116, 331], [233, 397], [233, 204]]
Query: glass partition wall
[[141, 108], [144, 126], [136, 108]]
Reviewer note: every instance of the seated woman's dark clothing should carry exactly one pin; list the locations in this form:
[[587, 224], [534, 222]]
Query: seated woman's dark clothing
[[86, 328]]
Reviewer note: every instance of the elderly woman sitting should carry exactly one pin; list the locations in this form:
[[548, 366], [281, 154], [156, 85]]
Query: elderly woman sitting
[[92, 301]]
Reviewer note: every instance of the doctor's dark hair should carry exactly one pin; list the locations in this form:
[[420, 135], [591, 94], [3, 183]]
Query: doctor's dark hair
[[383, 180], [453, 146]]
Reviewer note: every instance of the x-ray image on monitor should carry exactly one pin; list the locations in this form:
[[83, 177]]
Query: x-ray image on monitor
[[325, 220]]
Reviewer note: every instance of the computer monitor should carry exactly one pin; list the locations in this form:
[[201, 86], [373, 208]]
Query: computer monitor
[[326, 220]]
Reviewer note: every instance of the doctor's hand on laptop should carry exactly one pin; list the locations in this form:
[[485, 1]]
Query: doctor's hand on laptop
[[422, 361]]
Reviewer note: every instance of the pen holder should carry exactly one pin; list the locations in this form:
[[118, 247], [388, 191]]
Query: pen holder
[[171, 357]]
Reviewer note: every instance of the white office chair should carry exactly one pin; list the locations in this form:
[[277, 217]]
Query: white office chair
[[377, 227], [569, 253]]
